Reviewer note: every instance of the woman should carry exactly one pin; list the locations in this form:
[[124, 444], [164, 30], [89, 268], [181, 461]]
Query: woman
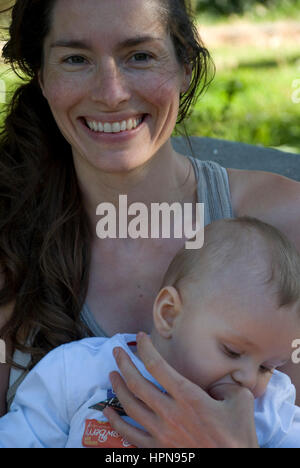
[[108, 81]]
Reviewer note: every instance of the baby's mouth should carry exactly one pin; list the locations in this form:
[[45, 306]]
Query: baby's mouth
[[219, 391]]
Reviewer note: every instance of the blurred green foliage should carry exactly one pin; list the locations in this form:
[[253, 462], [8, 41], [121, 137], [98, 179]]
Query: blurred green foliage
[[227, 7], [252, 105], [250, 99]]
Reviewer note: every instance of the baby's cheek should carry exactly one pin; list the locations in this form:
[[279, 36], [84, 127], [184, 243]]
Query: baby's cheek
[[262, 385]]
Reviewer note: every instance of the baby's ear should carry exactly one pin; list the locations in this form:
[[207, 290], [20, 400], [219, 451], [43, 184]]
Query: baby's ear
[[166, 310]]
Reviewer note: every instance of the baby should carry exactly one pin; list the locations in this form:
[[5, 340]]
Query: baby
[[226, 314]]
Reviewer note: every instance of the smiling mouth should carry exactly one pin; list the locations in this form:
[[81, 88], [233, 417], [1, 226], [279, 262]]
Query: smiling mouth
[[114, 127]]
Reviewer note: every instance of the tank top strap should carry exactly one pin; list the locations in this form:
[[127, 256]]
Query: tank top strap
[[213, 190], [17, 376], [89, 320]]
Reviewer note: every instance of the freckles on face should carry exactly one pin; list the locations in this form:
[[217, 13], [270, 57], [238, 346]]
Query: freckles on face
[[163, 90], [61, 96]]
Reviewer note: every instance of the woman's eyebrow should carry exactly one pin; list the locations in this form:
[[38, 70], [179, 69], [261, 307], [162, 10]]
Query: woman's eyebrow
[[82, 44]]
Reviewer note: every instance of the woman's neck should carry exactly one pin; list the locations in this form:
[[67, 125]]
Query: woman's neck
[[167, 178]]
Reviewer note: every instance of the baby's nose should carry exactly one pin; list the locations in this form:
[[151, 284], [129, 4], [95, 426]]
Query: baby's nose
[[247, 377]]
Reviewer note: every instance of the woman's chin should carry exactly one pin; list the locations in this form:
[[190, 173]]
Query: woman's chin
[[112, 162]]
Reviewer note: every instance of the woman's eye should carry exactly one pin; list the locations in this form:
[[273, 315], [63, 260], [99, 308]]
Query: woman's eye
[[74, 60], [141, 57]]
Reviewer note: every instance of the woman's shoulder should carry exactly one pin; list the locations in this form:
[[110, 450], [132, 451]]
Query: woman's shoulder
[[244, 181], [270, 197]]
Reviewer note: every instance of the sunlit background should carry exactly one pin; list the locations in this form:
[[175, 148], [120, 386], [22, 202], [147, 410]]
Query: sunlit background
[[255, 96]]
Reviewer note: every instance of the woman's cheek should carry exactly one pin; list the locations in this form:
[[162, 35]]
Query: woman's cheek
[[62, 90], [162, 88], [167, 93]]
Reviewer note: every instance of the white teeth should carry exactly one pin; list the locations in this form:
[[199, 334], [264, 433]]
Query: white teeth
[[115, 127], [107, 128]]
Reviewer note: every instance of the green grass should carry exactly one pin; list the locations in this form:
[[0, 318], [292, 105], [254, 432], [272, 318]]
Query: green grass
[[284, 9], [250, 99], [9, 81]]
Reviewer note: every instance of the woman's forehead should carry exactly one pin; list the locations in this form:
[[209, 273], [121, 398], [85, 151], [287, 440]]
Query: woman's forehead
[[106, 17]]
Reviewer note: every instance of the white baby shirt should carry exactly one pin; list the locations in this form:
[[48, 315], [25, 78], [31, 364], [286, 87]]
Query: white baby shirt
[[55, 405]]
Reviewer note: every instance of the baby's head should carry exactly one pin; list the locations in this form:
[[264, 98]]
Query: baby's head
[[229, 312]]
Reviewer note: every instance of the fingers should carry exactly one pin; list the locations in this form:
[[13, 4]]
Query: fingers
[[174, 383], [242, 399], [166, 375], [132, 434], [225, 391], [140, 398], [233, 394], [133, 406]]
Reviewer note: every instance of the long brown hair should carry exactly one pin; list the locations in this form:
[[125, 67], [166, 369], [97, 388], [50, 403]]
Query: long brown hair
[[45, 235], [44, 230]]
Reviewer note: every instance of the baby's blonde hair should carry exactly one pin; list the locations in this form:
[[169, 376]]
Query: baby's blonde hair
[[277, 262]]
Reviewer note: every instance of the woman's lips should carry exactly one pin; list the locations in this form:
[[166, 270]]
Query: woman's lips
[[114, 126], [105, 136]]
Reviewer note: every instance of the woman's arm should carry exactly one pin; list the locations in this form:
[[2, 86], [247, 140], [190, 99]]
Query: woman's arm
[[185, 417], [270, 197]]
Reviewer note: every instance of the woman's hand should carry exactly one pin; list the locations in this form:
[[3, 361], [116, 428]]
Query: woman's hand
[[185, 417]]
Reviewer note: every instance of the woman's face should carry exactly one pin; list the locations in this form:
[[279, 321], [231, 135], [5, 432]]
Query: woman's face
[[110, 65]]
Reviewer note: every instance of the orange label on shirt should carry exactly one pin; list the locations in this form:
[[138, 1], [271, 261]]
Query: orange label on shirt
[[99, 434]]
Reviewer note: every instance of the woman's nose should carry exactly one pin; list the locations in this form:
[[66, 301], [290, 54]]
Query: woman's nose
[[110, 87]]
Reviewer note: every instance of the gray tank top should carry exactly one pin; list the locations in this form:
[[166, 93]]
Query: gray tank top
[[213, 190]]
